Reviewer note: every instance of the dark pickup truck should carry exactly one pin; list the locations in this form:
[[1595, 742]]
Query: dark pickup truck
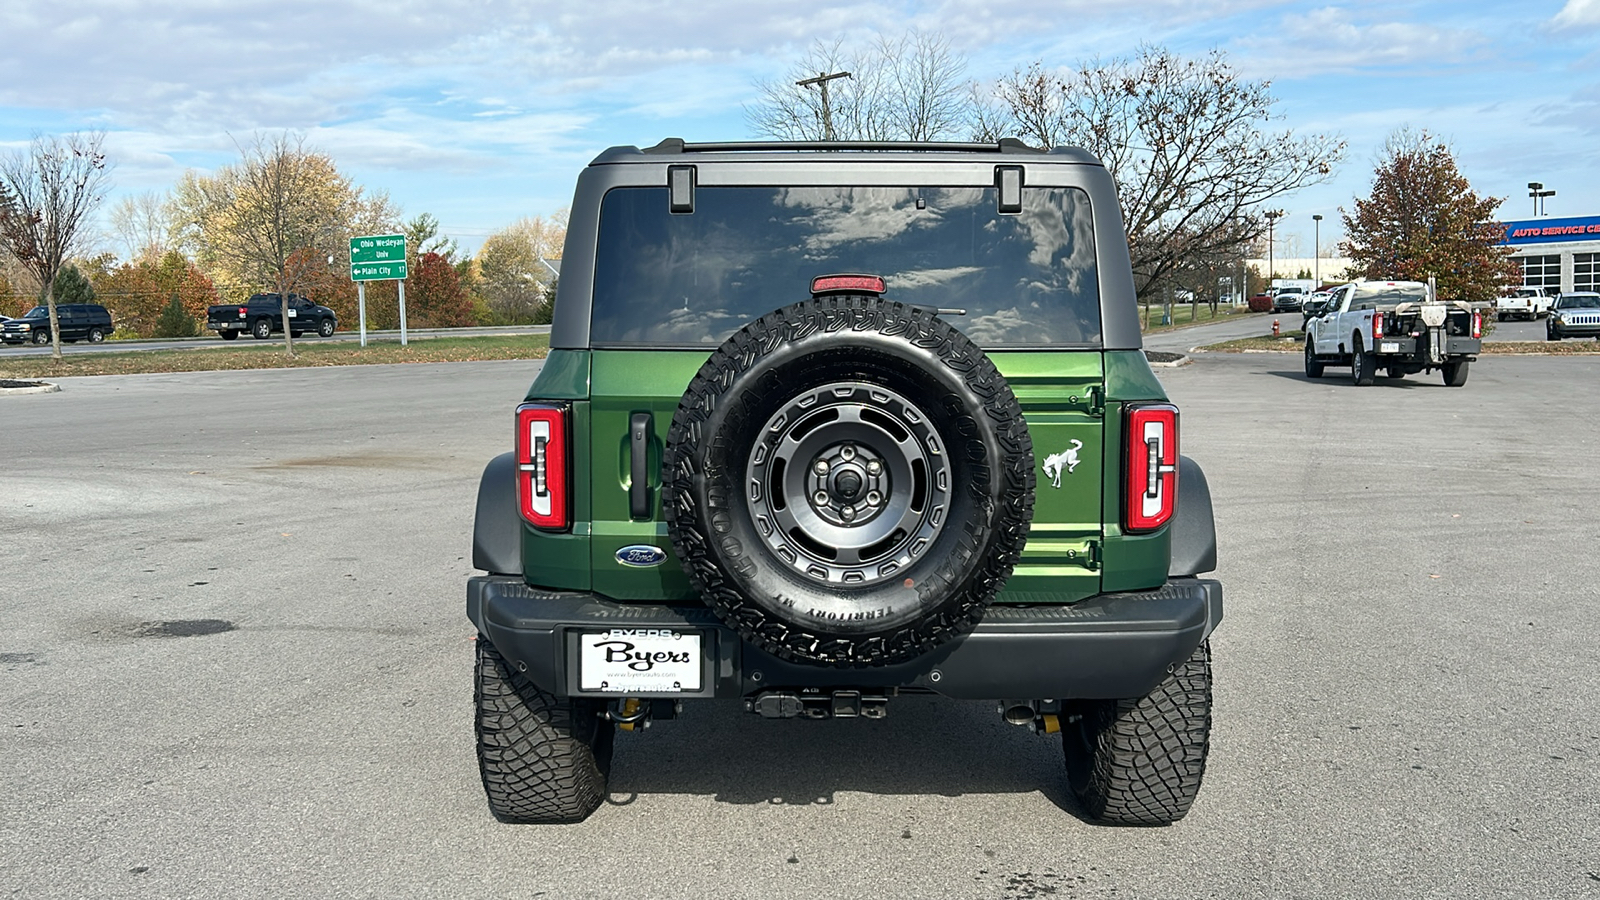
[[262, 316]]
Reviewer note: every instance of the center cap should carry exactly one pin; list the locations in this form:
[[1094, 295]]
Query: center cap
[[848, 484]]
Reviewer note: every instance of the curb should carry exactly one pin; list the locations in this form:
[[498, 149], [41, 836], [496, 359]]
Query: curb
[[9, 386], [1179, 360]]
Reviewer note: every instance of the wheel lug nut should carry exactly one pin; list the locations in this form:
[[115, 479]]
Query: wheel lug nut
[[874, 467], [847, 453], [874, 498], [822, 498], [821, 467], [847, 513]]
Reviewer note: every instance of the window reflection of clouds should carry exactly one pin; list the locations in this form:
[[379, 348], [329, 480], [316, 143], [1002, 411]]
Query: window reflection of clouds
[[745, 251]]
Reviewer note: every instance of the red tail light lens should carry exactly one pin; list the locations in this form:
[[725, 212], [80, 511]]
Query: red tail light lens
[[856, 284], [1377, 326], [1477, 325], [1150, 478], [542, 476]]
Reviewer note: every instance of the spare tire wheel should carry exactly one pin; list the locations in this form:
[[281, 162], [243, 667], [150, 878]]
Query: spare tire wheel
[[848, 481]]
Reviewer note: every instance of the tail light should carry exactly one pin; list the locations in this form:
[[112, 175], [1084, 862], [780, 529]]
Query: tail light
[[1477, 324], [542, 477], [1151, 476], [242, 311], [1377, 325]]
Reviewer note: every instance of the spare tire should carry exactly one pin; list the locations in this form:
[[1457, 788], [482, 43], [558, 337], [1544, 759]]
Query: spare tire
[[848, 481]]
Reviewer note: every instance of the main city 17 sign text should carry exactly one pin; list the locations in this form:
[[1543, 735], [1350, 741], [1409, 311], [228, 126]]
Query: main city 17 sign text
[[378, 257]]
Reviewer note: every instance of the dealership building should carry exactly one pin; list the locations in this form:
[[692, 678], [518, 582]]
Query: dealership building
[[1557, 253]]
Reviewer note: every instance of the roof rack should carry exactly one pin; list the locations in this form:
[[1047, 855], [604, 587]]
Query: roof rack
[[1004, 145]]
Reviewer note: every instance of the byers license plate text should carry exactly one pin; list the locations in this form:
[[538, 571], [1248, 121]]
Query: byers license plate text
[[639, 660]]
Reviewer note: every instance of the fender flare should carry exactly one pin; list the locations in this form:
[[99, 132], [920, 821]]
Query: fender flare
[[497, 526], [1194, 531]]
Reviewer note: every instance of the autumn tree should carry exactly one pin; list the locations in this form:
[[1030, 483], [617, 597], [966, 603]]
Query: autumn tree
[[273, 219], [46, 194], [434, 296], [511, 274], [1188, 143], [1423, 219], [910, 88], [137, 291]]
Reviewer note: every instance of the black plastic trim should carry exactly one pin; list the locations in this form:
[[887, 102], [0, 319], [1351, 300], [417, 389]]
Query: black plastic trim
[[497, 526], [1108, 646], [1194, 531], [639, 427]]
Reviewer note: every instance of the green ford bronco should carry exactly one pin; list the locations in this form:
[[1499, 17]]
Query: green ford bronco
[[824, 424]]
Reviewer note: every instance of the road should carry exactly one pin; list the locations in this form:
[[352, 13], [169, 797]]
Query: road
[[246, 341], [1408, 685]]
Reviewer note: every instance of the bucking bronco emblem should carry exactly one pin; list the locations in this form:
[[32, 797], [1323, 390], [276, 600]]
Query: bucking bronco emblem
[[1068, 458]]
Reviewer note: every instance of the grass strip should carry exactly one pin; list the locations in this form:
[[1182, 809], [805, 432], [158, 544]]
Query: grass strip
[[308, 354]]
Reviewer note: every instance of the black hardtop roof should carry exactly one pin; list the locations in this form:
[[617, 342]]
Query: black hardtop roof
[[834, 151]]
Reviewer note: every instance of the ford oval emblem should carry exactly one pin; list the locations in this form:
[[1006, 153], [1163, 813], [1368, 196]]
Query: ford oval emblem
[[641, 556]]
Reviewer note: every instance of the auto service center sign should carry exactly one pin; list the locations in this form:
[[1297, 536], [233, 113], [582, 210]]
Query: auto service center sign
[[1549, 231]]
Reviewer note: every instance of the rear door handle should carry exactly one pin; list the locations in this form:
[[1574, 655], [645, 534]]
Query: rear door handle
[[638, 459]]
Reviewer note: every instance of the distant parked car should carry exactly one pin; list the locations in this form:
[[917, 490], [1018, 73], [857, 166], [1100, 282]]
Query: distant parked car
[[1288, 299], [1574, 315], [1525, 302], [262, 316], [79, 322], [1314, 305]]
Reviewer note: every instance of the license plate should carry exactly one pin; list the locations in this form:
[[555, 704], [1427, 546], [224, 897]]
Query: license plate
[[1388, 347], [639, 660]]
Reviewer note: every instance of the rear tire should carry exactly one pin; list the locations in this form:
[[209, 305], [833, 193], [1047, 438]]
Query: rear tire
[[96, 336], [1362, 369], [228, 335], [1141, 761], [542, 759], [1455, 373]]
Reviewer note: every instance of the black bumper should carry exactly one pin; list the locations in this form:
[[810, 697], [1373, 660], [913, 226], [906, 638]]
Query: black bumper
[[1108, 646]]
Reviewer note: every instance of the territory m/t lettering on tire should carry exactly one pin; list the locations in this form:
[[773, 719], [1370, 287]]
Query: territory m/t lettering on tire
[[848, 481]]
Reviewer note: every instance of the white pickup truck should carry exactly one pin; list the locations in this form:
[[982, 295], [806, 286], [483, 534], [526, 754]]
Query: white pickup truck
[[1527, 302], [1398, 326]]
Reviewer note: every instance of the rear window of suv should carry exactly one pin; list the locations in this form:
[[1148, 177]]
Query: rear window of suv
[[1025, 280]]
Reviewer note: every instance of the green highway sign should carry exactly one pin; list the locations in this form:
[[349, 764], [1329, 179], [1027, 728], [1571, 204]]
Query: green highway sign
[[378, 257], [377, 271]]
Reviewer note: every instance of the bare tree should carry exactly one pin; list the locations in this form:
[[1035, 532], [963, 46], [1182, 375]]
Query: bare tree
[[45, 194], [140, 225], [910, 88], [1186, 141], [273, 218]]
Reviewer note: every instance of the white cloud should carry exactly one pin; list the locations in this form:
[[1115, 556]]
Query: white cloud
[[1345, 45], [1578, 14]]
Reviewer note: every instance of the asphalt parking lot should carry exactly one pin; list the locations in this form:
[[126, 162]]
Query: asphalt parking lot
[[234, 663]]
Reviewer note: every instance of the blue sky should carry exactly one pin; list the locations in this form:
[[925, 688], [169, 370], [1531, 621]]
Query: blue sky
[[483, 111]]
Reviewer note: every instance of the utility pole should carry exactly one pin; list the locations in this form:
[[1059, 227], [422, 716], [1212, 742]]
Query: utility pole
[[1316, 250], [827, 113], [1272, 216]]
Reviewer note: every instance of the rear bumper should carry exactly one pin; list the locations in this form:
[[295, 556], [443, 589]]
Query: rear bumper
[[1413, 347], [1108, 646]]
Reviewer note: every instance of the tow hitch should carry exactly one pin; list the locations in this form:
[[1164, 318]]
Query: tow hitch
[[809, 704]]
